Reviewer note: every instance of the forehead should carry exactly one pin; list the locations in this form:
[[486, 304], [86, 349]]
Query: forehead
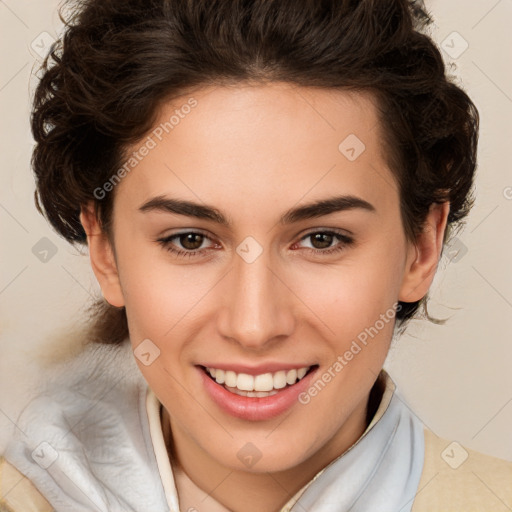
[[271, 144]]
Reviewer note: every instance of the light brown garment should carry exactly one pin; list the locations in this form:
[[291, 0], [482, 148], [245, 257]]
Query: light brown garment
[[17, 493], [480, 483]]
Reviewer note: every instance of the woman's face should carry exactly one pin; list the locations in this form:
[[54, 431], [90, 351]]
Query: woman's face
[[227, 260]]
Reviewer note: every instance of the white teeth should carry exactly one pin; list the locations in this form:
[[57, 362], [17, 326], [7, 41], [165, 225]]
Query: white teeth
[[301, 372], [230, 379], [280, 380], [252, 394], [219, 375], [264, 382], [261, 385], [291, 376], [245, 382]]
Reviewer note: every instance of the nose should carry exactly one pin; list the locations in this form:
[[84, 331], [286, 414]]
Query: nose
[[257, 306]]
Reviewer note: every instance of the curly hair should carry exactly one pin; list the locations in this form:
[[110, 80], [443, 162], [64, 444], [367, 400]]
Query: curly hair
[[118, 61]]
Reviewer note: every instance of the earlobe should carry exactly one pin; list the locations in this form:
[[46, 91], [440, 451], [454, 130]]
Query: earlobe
[[102, 257], [423, 256]]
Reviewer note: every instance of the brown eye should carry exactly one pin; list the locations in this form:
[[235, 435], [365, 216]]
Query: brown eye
[[188, 244], [321, 240], [191, 241], [326, 242]]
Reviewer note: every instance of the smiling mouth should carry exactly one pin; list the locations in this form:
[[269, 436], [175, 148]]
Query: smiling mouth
[[257, 386]]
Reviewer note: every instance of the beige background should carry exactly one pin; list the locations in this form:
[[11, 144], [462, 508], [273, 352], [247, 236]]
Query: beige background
[[457, 377]]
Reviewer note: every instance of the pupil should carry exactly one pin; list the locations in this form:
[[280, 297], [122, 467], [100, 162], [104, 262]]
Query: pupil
[[188, 242], [324, 239]]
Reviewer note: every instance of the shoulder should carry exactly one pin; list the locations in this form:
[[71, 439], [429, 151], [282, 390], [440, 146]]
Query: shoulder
[[457, 478], [17, 493]]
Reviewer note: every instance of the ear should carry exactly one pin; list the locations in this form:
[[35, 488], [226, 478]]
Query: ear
[[424, 254], [102, 256]]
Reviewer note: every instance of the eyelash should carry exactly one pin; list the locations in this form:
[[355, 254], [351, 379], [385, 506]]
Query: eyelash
[[344, 239]]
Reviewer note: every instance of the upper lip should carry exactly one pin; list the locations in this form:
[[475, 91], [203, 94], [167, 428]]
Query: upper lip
[[256, 370]]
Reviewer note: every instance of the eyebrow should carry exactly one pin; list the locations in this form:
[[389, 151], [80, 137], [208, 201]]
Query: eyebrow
[[308, 211]]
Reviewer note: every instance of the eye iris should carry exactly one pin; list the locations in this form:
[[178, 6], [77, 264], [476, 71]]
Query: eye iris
[[191, 241], [324, 239]]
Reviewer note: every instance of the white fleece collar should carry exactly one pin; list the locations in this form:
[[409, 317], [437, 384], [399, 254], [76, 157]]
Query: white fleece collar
[[84, 441]]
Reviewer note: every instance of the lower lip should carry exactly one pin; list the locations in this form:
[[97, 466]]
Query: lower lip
[[255, 408]]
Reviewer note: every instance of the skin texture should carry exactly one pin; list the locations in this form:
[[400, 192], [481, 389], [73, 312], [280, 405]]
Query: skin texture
[[253, 152]]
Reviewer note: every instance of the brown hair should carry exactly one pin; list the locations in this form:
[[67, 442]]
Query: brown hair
[[119, 60]]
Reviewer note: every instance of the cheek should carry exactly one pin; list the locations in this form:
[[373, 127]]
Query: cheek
[[169, 305], [158, 293], [162, 310], [350, 296]]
